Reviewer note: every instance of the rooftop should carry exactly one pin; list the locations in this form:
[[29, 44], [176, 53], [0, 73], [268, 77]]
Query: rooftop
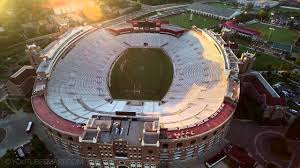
[[226, 13], [264, 89], [46, 115], [109, 129], [22, 74]]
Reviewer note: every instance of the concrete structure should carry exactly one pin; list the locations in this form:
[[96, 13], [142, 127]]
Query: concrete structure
[[33, 52], [253, 84], [72, 100], [214, 12], [246, 62], [60, 22], [20, 84]]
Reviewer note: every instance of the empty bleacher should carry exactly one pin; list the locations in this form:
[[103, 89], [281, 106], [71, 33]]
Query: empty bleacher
[[78, 86]]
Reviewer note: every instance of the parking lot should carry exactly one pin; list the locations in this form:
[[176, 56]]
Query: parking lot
[[292, 94]]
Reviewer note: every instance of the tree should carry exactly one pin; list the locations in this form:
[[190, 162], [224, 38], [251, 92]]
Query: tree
[[298, 60], [271, 165], [286, 76], [249, 7], [262, 14], [9, 160]]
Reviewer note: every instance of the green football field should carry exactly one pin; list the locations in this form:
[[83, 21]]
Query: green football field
[[264, 61], [141, 74], [183, 20], [279, 35]]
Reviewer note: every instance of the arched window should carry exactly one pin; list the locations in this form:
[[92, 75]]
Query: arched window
[[165, 145], [179, 145], [193, 142]]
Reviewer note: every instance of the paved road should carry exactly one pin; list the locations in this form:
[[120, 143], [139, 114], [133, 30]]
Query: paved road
[[263, 148], [15, 126], [249, 134]]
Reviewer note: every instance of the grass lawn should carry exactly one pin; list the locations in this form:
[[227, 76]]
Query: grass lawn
[[183, 20], [141, 74], [4, 107], [2, 134], [12, 56], [264, 61], [11, 59], [279, 147], [222, 5], [293, 131], [279, 35]]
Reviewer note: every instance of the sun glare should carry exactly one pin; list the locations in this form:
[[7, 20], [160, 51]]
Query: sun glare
[[88, 7], [92, 12]]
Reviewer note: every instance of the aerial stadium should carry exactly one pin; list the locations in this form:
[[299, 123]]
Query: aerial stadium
[[136, 95]]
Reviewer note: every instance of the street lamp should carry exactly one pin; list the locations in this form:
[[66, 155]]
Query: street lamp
[[271, 29]]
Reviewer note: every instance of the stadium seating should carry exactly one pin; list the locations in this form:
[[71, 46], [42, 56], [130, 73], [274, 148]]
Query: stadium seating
[[78, 87]]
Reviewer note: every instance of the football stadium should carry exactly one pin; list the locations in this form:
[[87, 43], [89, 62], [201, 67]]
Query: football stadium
[[137, 95]]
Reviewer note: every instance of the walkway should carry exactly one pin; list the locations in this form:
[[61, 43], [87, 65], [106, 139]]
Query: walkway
[[249, 135]]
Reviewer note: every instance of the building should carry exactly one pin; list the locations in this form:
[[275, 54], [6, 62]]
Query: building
[[254, 85], [20, 84], [214, 12], [72, 100], [60, 22], [3, 32], [61, 7], [246, 62], [240, 156], [259, 3], [33, 52], [232, 26]]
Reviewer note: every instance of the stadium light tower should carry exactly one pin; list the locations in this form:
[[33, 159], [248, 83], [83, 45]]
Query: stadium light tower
[[271, 29]]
